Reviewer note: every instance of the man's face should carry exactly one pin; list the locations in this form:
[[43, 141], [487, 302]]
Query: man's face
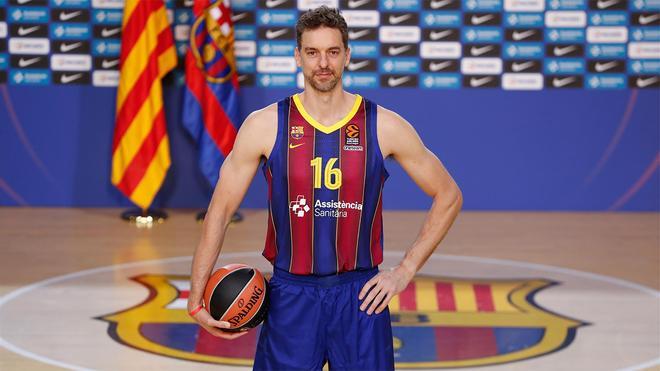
[[322, 57]]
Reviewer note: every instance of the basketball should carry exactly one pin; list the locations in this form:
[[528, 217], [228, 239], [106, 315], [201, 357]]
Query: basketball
[[238, 294]]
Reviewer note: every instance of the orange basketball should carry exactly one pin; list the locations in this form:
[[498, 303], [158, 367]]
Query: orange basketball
[[238, 294]]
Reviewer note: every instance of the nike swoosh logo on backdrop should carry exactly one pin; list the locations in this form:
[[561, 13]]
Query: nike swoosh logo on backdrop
[[475, 83], [357, 3], [239, 16], [605, 66], [642, 83], [356, 66], [646, 20], [479, 51], [109, 64], [558, 83], [517, 36], [270, 34], [434, 67], [396, 81], [69, 47], [66, 16], [67, 79], [522, 66], [396, 19], [110, 32], [28, 62], [396, 50], [563, 51], [439, 35], [605, 4], [439, 4], [357, 34], [274, 3], [25, 31], [482, 19]]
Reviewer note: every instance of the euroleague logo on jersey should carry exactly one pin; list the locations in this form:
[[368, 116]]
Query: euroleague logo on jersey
[[352, 132], [352, 138]]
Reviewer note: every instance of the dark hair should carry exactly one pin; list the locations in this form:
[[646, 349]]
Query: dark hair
[[322, 17]]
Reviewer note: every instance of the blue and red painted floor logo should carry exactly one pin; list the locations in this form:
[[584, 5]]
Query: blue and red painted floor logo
[[437, 322]]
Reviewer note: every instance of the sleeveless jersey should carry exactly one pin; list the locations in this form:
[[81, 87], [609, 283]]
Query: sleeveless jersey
[[325, 192]]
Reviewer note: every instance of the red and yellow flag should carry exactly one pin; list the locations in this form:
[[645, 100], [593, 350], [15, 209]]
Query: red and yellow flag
[[140, 148]]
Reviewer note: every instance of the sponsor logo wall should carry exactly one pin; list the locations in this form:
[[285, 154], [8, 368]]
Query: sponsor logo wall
[[426, 44]]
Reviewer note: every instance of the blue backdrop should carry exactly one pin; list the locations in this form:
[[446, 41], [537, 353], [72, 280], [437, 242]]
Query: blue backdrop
[[546, 150]]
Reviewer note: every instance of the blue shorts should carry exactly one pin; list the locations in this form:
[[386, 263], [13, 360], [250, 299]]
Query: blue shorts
[[313, 320]]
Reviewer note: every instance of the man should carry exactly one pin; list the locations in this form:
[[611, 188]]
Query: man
[[324, 152]]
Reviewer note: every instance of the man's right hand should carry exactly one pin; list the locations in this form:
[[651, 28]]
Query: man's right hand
[[214, 327]]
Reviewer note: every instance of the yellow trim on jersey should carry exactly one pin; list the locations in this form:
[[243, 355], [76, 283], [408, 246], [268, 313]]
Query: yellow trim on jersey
[[328, 129]]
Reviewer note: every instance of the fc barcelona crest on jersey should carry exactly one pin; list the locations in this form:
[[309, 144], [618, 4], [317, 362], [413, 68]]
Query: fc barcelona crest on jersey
[[437, 323], [297, 132]]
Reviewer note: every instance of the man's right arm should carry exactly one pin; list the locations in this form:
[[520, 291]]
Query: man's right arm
[[254, 140]]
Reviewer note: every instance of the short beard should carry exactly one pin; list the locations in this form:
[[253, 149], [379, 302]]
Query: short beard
[[324, 87]]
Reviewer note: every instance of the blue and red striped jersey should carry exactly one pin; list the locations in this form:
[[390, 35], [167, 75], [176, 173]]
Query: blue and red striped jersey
[[325, 191]]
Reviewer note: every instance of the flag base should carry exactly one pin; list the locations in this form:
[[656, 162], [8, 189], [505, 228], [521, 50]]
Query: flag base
[[144, 218], [237, 217]]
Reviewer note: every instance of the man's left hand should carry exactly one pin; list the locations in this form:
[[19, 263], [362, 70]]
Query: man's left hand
[[382, 287]]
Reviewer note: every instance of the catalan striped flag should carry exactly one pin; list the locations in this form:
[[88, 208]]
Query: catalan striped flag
[[140, 148], [210, 106]]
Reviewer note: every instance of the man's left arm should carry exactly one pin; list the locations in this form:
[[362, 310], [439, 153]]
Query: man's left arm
[[398, 138]]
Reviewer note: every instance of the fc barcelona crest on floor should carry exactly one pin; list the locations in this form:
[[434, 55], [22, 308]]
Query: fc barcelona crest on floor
[[437, 323]]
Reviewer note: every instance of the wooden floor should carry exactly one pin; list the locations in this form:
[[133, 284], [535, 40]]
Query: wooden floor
[[36, 244]]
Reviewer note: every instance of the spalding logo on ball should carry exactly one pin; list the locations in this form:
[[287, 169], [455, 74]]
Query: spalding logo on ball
[[238, 294]]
